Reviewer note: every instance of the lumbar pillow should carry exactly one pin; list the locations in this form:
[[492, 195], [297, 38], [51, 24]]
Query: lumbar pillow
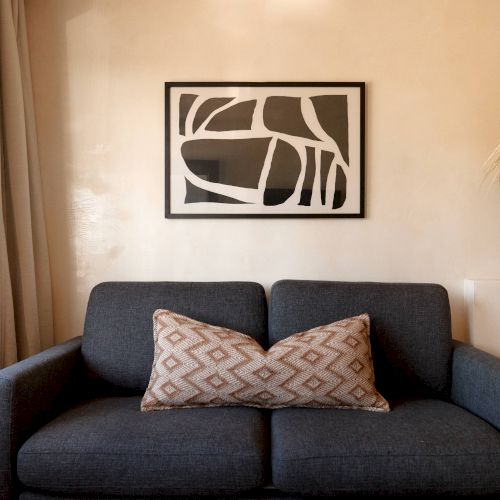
[[196, 365]]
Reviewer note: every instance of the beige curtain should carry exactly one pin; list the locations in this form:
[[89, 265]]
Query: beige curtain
[[25, 293]]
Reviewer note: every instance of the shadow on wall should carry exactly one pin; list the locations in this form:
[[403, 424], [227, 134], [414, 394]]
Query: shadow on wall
[[52, 96]]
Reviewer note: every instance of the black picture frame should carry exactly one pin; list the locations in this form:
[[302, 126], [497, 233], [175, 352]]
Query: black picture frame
[[206, 140]]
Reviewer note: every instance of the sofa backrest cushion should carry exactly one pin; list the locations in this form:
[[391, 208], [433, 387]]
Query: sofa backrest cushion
[[410, 327], [118, 336]]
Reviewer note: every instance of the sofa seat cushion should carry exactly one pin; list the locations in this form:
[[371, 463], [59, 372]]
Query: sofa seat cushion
[[421, 447], [109, 447]]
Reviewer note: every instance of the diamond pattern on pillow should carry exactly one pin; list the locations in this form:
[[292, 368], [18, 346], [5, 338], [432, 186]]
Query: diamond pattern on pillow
[[199, 365]]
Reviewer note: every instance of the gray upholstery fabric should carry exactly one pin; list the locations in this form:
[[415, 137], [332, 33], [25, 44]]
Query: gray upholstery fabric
[[420, 447], [476, 382], [108, 447], [410, 327], [118, 336], [31, 392], [266, 492], [259, 494]]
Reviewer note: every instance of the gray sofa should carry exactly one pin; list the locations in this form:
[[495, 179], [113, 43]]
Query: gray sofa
[[70, 424]]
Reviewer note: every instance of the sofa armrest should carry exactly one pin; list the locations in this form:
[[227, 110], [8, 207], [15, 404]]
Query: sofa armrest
[[475, 382], [31, 393]]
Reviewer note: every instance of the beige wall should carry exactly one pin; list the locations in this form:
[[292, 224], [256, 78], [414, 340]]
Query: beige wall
[[433, 116]]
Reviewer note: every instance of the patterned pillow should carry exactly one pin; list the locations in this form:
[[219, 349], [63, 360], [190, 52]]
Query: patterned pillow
[[196, 364]]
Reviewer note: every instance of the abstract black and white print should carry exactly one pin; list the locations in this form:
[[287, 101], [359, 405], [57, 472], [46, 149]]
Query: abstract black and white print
[[265, 150]]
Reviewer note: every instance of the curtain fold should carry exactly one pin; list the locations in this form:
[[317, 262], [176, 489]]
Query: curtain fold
[[26, 324]]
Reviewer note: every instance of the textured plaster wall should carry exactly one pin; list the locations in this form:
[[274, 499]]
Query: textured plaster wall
[[433, 116]]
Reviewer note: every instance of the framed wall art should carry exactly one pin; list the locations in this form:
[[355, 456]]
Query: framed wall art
[[264, 149]]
